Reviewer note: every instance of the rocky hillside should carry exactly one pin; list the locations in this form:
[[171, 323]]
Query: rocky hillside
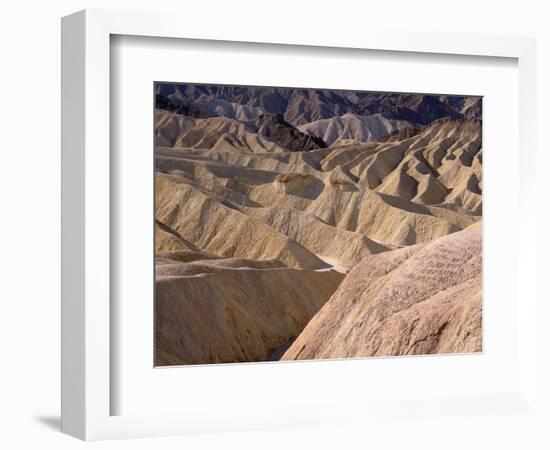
[[418, 300]]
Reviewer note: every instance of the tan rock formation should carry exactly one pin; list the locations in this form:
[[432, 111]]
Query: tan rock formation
[[234, 314]]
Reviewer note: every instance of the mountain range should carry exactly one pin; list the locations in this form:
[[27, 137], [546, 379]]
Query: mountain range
[[301, 106]]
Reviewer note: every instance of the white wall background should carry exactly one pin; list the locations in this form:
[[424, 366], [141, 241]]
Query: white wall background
[[30, 196]]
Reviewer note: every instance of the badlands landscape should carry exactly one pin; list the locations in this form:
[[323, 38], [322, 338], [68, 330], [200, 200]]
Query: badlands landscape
[[299, 224]]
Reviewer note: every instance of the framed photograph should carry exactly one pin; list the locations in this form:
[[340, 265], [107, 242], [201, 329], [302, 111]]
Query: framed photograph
[[251, 220]]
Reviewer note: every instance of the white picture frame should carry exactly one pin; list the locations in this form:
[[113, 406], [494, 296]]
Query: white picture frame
[[86, 220]]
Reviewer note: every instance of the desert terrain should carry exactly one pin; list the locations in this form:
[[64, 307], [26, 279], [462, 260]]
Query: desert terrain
[[297, 224]]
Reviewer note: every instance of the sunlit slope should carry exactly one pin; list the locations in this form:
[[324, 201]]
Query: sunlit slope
[[417, 300]]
